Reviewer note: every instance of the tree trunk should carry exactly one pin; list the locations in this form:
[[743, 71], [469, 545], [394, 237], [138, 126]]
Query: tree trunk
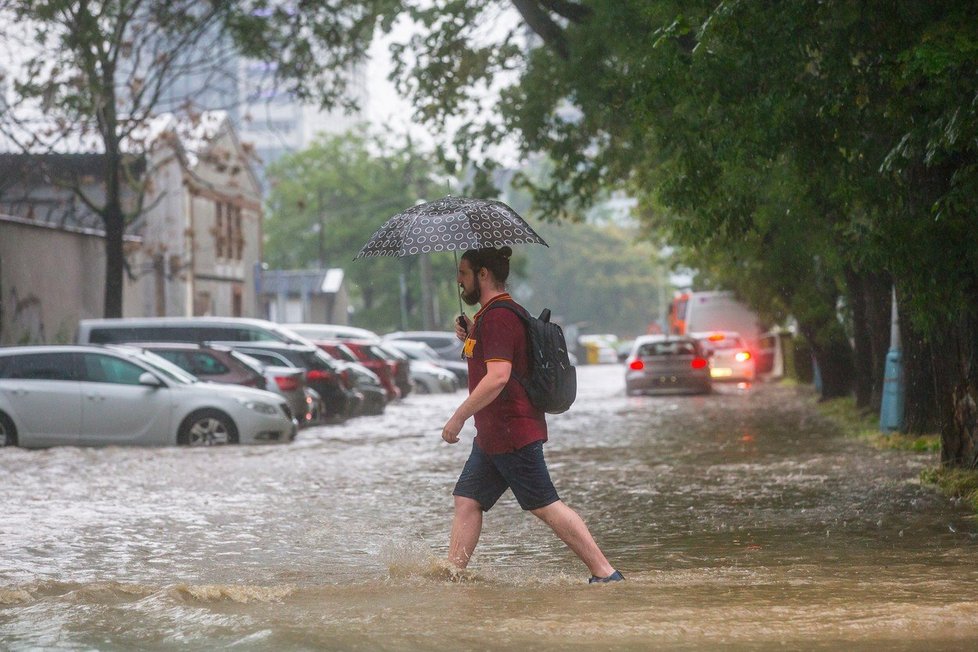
[[835, 363], [957, 393], [879, 296], [856, 287], [832, 353], [114, 259], [920, 405]]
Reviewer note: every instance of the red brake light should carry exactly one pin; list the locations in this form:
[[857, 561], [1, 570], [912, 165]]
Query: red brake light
[[743, 356], [287, 383], [716, 337], [636, 365], [698, 363], [318, 374]]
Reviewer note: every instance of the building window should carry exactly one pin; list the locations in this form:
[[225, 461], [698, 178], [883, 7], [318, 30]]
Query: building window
[[219, 229], [228, 231]]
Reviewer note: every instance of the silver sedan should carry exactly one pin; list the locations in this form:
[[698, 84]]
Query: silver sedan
[[99, 396]]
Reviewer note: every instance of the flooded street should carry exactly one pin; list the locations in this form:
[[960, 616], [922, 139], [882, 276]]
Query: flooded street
[[741, 520]]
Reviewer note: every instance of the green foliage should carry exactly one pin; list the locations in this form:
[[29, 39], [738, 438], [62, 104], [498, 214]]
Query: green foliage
[[597, 276], [864, 425], [348, 186], [954, 483]]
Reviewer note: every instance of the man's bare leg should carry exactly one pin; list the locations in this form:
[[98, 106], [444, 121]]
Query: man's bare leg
[[571, 529], [466, 528]]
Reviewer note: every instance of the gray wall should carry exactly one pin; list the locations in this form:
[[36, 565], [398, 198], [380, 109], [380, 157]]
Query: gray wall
[[49, 279]]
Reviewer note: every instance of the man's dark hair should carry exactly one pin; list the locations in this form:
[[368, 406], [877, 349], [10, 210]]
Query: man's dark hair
[[495, 260]]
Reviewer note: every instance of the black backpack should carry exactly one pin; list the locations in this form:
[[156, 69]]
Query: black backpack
[[552, 381]]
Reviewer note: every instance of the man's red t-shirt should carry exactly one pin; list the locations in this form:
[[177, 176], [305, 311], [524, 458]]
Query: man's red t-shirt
[[510, 422]]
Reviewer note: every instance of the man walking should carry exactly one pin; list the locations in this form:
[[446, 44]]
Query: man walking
[[510, 432]]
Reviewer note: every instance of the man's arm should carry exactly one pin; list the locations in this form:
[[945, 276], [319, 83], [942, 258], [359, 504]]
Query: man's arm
[[497, 375]]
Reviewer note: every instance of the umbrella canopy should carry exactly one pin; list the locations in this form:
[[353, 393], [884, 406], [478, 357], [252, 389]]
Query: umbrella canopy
[[450, 224]]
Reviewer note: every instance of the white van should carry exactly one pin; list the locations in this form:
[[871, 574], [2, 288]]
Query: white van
[[183, 329], [720, 311]]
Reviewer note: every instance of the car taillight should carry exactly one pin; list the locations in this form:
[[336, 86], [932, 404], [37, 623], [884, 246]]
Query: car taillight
[[636, 365], [698, 363], [318, 374], [287, 383], [743, 356]]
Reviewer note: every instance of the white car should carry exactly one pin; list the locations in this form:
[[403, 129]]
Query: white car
[[100, 396], [730, 357], [421, 351], [429, 378], [445, 343], [331, 332]]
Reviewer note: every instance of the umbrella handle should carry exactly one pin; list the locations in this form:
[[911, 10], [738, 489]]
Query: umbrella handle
[[461, 313]]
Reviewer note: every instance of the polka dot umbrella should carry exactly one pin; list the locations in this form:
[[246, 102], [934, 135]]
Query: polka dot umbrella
[[450, 224]]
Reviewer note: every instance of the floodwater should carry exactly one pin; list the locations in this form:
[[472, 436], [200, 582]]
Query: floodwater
[[741, 520]]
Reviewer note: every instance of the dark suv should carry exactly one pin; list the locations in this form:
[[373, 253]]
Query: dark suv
[[340, 397]]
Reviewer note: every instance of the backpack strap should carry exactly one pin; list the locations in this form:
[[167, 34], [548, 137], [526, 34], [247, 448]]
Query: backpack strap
[[524, 316]]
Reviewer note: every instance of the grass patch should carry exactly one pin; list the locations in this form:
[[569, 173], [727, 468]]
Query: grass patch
[[865, 425], [954, 483]]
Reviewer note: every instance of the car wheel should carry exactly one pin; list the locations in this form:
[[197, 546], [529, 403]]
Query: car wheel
[[8, 433], [207, 428]]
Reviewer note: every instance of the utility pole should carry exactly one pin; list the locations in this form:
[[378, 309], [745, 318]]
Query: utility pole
[[891, 408], [427, 294]]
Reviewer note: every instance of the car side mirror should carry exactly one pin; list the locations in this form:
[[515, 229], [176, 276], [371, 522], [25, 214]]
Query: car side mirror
[[149, 380]]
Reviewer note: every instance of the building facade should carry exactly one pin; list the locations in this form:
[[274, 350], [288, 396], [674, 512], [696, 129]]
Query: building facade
[[192, 250]]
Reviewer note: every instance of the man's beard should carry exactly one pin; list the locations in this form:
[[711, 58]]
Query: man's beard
[[470, 298]]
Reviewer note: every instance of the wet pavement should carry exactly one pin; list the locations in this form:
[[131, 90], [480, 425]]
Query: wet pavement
[[742, 520]]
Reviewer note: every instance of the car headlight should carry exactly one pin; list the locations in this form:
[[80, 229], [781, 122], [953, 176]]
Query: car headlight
[[263, 408]]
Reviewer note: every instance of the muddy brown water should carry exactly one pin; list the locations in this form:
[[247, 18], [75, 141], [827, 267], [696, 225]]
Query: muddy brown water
[[742, 520]]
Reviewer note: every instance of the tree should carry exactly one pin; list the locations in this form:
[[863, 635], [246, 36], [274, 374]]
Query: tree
[[99, 71], [327, 200], [851, 114]]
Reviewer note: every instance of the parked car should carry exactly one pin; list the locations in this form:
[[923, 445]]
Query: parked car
[[341, 399], [663, 363], [222, 364], [183, 329], [377, 362], [366, 381], [400, 364], [445, 344], [331, 332], [729, 357], [89, 396], [429, 378], [421, 351]]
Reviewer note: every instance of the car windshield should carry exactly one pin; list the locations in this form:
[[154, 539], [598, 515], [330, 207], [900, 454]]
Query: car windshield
[[169, 370], [725, 343], [248, 361], [343, 352], [667, 348]]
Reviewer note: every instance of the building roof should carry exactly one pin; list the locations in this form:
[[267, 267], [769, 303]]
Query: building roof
[[302, 281], [44, 136]]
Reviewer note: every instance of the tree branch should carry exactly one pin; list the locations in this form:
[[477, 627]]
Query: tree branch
[[572, 11], [544, 26]]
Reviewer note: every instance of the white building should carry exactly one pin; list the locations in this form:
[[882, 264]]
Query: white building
[[275, 123]]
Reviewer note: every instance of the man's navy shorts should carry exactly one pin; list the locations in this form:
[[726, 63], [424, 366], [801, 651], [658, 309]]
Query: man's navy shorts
[[486, 477]]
